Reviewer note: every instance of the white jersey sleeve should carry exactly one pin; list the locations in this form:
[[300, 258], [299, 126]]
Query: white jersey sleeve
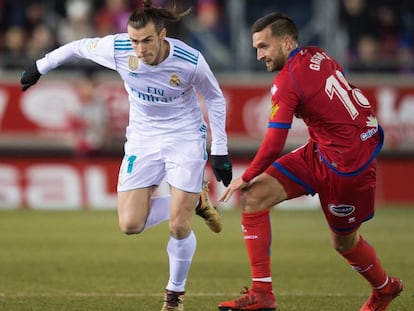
[[206, 83], [98, 50]]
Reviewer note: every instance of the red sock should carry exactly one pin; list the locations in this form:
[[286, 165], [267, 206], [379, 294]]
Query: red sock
[[257, 235], [364, 260]]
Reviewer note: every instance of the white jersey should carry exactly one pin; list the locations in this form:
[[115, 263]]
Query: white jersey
[[163, 98]]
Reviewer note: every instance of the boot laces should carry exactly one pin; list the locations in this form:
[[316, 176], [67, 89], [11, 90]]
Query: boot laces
[[246, 300], [172, 300]]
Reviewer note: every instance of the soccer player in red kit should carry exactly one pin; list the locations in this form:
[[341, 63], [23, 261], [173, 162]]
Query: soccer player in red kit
[[338, 162]]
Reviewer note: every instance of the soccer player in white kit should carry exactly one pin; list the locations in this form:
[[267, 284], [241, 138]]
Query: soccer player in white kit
[[166, 134]]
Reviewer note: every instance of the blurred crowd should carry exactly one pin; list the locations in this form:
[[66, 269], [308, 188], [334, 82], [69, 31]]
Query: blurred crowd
[[380, 33], [31, 28]]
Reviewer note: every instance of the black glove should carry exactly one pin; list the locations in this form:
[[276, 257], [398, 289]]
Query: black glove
[[222, 169], [30, 76]]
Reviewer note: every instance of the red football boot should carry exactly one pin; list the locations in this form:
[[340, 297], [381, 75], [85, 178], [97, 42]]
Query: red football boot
[[251, 301], [380, 299]]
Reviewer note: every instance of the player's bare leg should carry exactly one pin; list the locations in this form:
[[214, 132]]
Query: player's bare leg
[[206, 210], [133, 209]]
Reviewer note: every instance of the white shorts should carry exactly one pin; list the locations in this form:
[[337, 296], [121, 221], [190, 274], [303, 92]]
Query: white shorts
[[147, 161]]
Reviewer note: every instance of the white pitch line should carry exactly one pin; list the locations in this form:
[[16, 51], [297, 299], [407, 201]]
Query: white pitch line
[[79, 294]]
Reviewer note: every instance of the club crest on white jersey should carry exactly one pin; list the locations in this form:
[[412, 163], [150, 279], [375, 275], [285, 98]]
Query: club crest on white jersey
[[133, 62]]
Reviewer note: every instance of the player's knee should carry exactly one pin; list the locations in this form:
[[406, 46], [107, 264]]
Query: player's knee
[[179, 231], [344, 243], [339, 247], [128, 227], [251, 201]]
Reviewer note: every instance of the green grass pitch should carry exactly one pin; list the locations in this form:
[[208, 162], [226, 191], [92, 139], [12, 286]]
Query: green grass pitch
[[62, 260]]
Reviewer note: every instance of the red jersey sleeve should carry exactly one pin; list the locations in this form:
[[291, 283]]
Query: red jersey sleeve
[[284, 101]]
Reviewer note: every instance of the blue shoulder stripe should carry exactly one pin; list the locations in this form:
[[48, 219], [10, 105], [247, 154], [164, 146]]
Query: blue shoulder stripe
[[279, 125], [186, 59], [123, 45], [185, 55], [185, 52]]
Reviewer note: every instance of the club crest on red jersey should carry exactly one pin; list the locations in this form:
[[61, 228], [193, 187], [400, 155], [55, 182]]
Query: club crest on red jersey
[[275, 108]]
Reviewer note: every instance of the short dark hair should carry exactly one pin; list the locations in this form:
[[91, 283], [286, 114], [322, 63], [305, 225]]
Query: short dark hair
[[159, 16], [280, 25]]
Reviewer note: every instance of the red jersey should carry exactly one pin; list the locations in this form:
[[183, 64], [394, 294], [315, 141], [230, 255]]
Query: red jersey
[[339, 117]]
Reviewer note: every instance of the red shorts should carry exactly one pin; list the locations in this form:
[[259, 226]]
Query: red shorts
[[346, 201]]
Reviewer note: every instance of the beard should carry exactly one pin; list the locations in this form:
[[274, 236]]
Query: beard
[[276, 63]]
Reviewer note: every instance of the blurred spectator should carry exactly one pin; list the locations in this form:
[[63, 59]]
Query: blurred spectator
[[112, 17], [358, 19], [380, 32], [77, 24], [378, 37], [367, 51], [2, 14], [34, 15], [209, 14], [42, 40], [209, 32], [406, 51], [13, 14], [28, 32], [390, 30], [90, 122], [14, 47], [405, 59], [407, 17]]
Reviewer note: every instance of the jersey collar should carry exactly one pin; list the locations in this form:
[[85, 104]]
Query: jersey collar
[[294, 52]]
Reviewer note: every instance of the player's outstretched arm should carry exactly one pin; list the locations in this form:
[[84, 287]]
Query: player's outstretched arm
[[30, 76], [98, 50]]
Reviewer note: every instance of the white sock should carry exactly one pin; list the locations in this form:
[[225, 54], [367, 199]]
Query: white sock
[[180, 253], [159, 211]]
